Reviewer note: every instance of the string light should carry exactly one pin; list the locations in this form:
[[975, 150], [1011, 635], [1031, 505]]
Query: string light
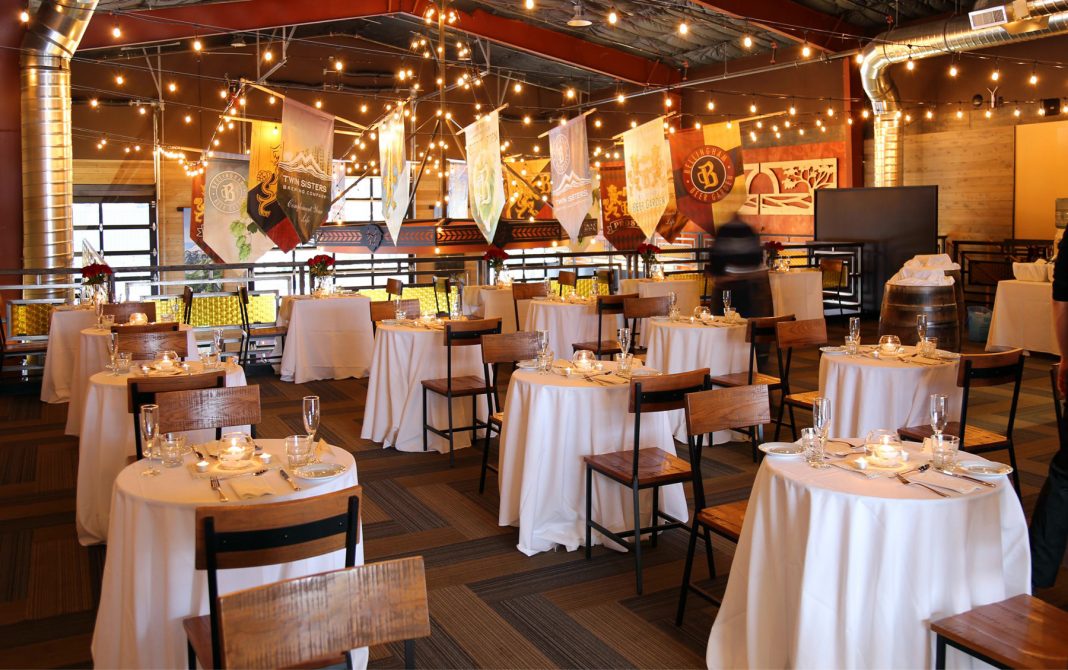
[[988, 114], [271, 100], [517, 87], [858, 58], [910, 65], [339, 65], [953, 71], [529, 4], [711, 105], [569, 94], [318, 104], [268, 55], [621, 98], [24, 16], [806, 50], [596, 123], [752, 108], [960, 113], [613, 18], [188, 118], [526, 120], [747, 41], [684, 28], [996, 74], [116, 31], [1016, 112], [1033, 79], [929, 114], [172, 87], [119, 79], [197, 46]]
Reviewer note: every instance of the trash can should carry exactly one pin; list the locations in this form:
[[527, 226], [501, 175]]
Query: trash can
[[978, 323]]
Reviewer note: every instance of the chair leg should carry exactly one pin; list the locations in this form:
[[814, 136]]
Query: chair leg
[[686, 571], [940, 653], [793, 424], [778, 420], [425, 420], [589, 510], [635, 494], [448, 399], [656, 510], [708, 554], [753, 444], [1015, 469], [485, 461], [191, 656]]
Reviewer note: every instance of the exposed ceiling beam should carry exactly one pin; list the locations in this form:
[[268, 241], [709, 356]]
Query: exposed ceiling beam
[[770, 15], [188, 21]]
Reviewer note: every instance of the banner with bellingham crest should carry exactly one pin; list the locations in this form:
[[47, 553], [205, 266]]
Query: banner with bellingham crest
[[706, 168]]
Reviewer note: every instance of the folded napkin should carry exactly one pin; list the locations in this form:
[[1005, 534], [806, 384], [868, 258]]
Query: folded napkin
[[907, 276], [1037, 271], [252, 487], [937, 479], [851, 467], [932, 261]]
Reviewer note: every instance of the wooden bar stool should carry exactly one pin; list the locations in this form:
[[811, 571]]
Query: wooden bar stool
[[610, 305], [497, 350], [1021, 632]]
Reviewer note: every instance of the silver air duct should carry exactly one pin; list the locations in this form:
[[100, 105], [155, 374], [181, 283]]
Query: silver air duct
[[1027, 21], [47, 178]]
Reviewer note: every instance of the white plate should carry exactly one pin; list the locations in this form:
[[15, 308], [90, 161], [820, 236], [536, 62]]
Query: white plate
[[782, 449], [527, 364], [643, 372], [833, 350], [983, 469], [949, 356], [319, 471]]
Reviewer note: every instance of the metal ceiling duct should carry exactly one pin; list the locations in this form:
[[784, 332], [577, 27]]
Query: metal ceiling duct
[[1028, 21], [47, 179]]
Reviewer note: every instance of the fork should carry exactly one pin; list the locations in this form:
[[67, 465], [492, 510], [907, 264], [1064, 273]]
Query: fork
[[215, 484], [908, 482]]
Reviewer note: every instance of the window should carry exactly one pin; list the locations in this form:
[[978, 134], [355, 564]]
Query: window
[[123, 229], [364, 201]]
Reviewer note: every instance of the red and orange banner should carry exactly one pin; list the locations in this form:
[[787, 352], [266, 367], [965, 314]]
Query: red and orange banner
[[618, 226], [265, 147]]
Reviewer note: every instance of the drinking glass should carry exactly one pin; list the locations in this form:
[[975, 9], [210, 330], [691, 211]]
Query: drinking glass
[[673, 300], [210, 360], [852, 344], [400, 313], [854, 327], [726, 300], [112, 344], [944, 451], [217, 340], [310, 415], [545, 361], [812, 444], [821, 416], [149, 436], [543, 340], [921, 327], [939, 408], [123, 359], [298, 450], [171, 448], [623, 337], [108, 320], [624, 362]]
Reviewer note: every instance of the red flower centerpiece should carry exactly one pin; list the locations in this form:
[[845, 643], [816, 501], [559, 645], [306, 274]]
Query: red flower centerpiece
[[96, 274], [648, 254], [773, 248], [495, 257], [321, 267]]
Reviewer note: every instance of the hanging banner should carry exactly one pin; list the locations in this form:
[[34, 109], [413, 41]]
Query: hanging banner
[[526, 190], [228, 230], [304, 168], [616, 223], [395, 175], [703, 174], [726, 143], [265, 144], [570, 160], [337, 187], [196, 219], [645, 156], [457, 191], [485, 182]]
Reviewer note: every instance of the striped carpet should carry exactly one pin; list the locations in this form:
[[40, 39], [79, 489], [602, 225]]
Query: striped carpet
[[491, 606]]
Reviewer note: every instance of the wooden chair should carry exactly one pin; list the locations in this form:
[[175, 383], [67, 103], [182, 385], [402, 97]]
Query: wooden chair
[[791, 334], [394, 288], [566, 278], [460, 334], [257, 333], [636, 309], [387, 309], [980, 370], [187, 306], [606, 305], [610, 278], [335, 611], [246, 536], [443, 285], [146, 346], [526, 291], [706, 413], [213, 407], [18, 349], [122, 310], [496, 350], [143, 391], [163, 327], [1021, 632], [835, 267], [642, 468]]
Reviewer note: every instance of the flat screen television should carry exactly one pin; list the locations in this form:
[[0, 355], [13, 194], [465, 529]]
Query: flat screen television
[[895, 223]]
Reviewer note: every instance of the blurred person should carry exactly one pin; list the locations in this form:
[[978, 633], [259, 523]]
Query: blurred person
[[737, 264]]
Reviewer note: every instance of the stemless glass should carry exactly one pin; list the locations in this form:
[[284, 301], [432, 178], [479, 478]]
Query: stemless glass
[[812, 444], [217, 340], [123, 359], [726, 300], [623, 337], [944, 450], [310, 415], [298, 450], [921, 327], [939, 406], [149, 435]]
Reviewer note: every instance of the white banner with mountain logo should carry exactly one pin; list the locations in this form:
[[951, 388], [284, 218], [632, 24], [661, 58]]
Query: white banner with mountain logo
[[570, 161], [648, 168], [228, 230], [304, 171], [395, 176], [485, 181]]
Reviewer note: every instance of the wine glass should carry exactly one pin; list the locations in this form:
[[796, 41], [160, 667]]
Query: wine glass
[[921, 327], [149, 435], [543, 340], [939, 405], [673, 300], [726, 300], [623, 337], [821, 416], [854, 327], [310, 415], [112, 343], [217, 340]]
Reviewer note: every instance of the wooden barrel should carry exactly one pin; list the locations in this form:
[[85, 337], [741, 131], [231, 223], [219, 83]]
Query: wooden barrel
[[901, 305], [958, 292]]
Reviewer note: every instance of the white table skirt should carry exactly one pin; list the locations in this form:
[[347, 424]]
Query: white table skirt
[[550, 423], [1023, 317], [63, 333], [331, 338], [835, 571], [487, 302], [150, 583], [687, 296], [681, 347], [797, 292], [569, 323], [866, 394], [107, 441], [403, 357], [89, 359]]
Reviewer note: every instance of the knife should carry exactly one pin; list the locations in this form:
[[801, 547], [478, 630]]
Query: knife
[[971, 479], [285, 476]]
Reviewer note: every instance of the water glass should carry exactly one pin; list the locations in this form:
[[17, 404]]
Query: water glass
[[298, 450], [623, 337], [624, 362], [107, 321], [545, 361], [400, 313], [944, 451], [812, 444], [673, 300], [149, 421], [726, 300], [171, 448], [217, 340], [939, 409], [928, 346], [210, 360], [123, 359], [310, 415], [543, 340], [730, 314], [852, 344], [921, 327]]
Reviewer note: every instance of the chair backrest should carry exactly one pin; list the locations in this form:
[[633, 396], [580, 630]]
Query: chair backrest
[[526, 291], [469, 333], [613, 304], [444, 286], [833, 266], [509, 347], [319, 618], [726, 409], [142, 391], [187, 304], [387, 309], [162, 327], [763, 329], [665, 392], [216, 408], [610, 278], [146, 346], [394, 287], [993, 369], [566, 278], [122, 310], [643, 308], [805, 333], [245, 536]]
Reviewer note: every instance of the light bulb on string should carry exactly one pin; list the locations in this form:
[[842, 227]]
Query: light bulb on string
[[953, 70], [620, 98], [996, 74], [929, 114], [858, 58], [268, 55], [711, 105], [613, 17], [188, 118], [569, 94], [910, 64], [988, 114], [24, 16], [172, 87], [529, 4], [1033, 79], [747, 41], [752, 108], [517, 87], [318, 104], [116, 31], [684, 28], [198, 46], [1016, 112], [271, 100], [119, 79], [960, 113], [806, 49]]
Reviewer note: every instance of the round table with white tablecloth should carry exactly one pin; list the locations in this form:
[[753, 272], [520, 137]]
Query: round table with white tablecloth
[[687, 296], [63, 333], [403, 357], [867, 393], [90, 358], [106, 444], [797, 292], [834, 570], [681, 346], [550, 423], [487, 302], [150, 583], [328, 338], [1022, 317], [569, 322]]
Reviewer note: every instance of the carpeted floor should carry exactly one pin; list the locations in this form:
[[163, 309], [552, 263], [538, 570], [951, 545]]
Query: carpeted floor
[[491, 606]]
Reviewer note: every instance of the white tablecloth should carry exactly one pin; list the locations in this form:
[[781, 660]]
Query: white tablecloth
[[107, 441], [568, 323], [329, 338], [403, 357], [681, 347], [487, 302], [687, 296], [550, 423], [1023, 317], [866, 393], [62, 351], [797, 292], [150, 584], [836, 571], [89, 359]]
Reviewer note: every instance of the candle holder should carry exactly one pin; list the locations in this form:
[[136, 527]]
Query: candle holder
[[138, 319], [235, 451], [883, 448]]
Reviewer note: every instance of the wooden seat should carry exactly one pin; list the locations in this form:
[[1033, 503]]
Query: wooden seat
[[606, 305], [981, 370], [123, 310], [245, 536], [497, 350], [566, 278], [162, 327], [147, 346], [1021, 632], [394, 288], [742, 378], [835, 267], [141, 391], [708, 412], [307, 620], [802, 400], [18, 349], [526, 291], [641, 468], [792, 335], [209, 407], [460, 334]]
